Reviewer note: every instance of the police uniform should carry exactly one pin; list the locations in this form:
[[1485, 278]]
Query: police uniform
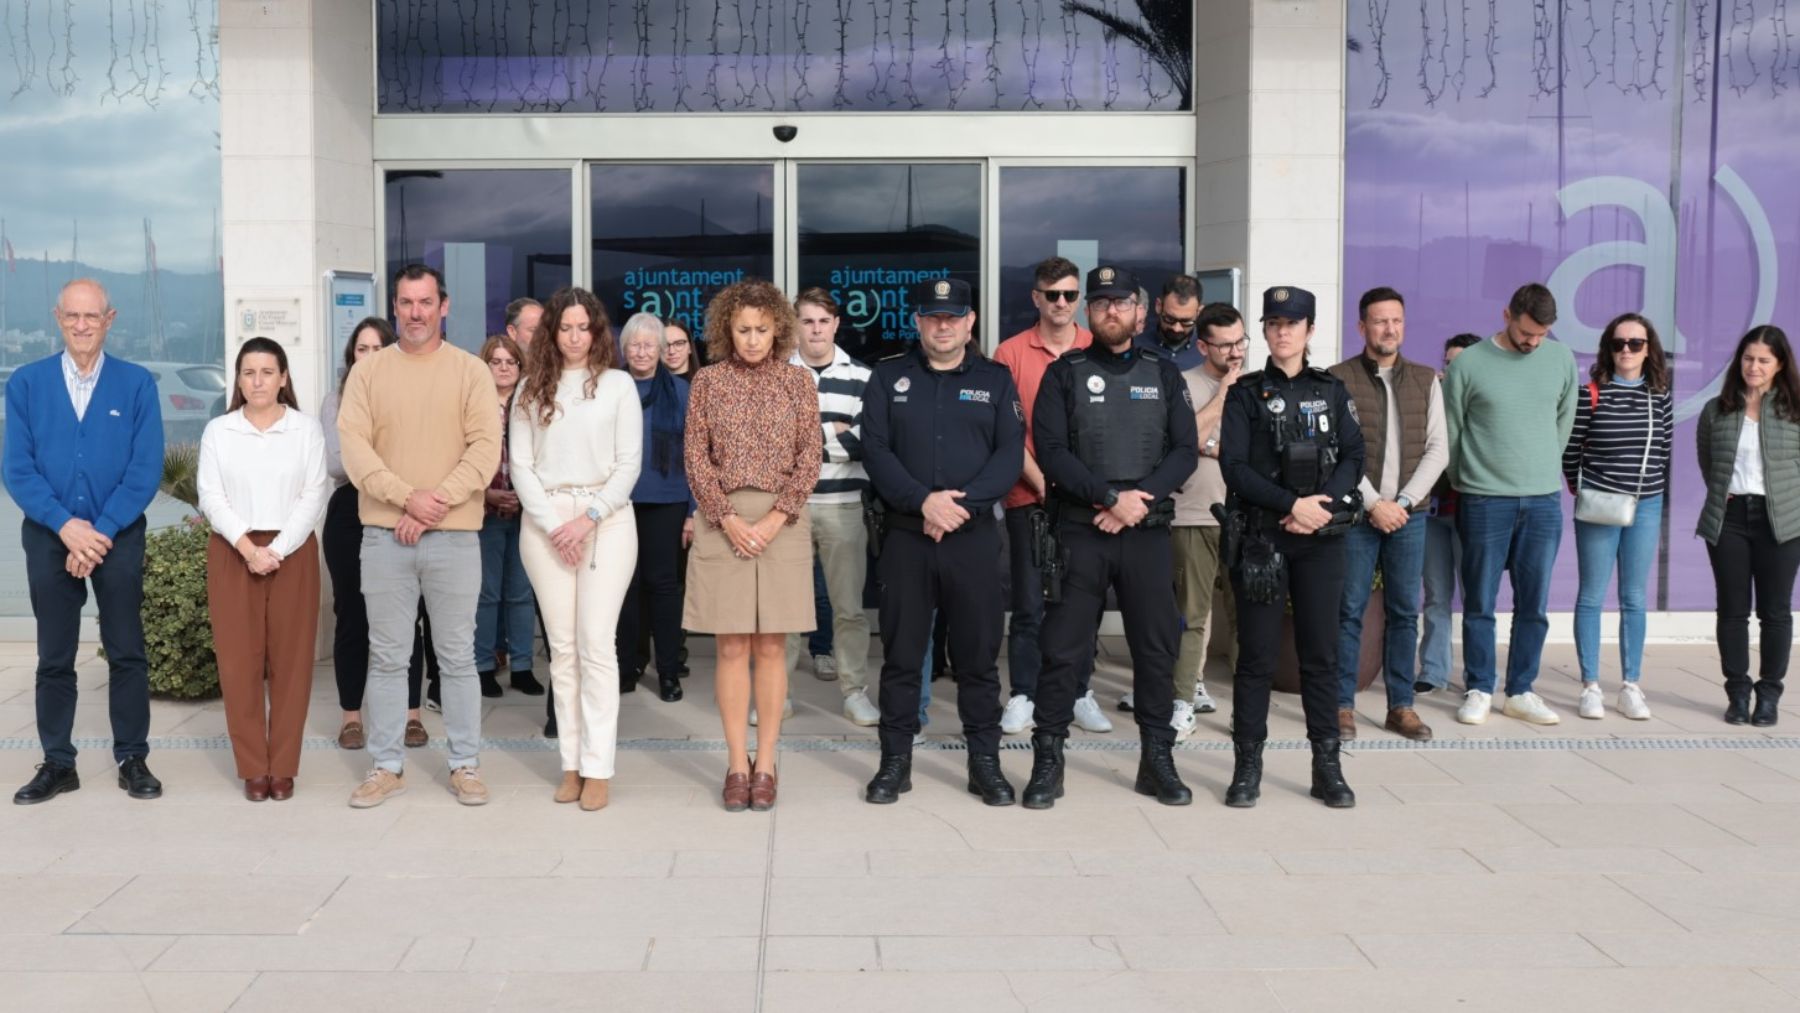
[[926, 430], [1283, 438], [1106, 422]]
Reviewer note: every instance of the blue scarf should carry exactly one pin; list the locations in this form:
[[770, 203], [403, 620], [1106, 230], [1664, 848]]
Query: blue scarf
[[664, 406]]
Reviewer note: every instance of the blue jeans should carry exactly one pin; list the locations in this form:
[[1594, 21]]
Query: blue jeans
[[1402, 558], [1597, 548], [819, 640], [925, 669], [1443, 558], [1520, 534], [506, 605]]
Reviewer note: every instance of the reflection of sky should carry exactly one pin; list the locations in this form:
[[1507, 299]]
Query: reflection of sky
[[862, 198], [663, 200]]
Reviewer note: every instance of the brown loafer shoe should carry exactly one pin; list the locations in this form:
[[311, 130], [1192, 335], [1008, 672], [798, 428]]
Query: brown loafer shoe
[[256, 789], [1346, 723], [762, 792], [281, 788], [737, 792], [1405, 721], [593, 794], [570, 788], [416, 735], [351, 736]]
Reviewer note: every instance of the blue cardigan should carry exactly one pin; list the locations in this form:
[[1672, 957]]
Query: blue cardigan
[[104, 467]]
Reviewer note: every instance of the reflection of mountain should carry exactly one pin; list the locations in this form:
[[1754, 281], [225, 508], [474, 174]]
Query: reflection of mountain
[[663, 230], [918, 239], [193, 317]]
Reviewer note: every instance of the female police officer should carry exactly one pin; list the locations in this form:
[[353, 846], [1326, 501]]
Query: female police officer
[[1292, 454]]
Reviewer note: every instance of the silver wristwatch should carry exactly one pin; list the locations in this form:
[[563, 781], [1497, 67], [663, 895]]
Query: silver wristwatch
[[593, 514]]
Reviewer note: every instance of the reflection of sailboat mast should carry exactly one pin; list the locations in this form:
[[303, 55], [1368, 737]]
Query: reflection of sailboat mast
[[909, 198], [5, 269], [152, 296]]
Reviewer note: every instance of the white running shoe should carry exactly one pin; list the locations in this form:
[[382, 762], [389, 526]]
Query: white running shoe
[[1593, 702], [1475, 707], [1203, 701], [860, 710], [787, 711], [1183, 720], [1126, 702], [1531, 708], [1088, 716], [1019, 716], [1631, 702]]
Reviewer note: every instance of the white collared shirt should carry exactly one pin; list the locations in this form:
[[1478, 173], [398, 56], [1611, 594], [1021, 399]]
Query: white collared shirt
[[81, 388], [264, 480]]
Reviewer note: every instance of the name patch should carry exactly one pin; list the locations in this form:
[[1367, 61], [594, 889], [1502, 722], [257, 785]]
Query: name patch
[[1146, 394], [981, 396]]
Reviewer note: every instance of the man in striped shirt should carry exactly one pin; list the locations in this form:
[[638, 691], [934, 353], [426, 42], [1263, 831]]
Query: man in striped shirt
[[840, 541]]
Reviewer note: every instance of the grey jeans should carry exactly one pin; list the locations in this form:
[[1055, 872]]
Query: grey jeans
[[444, 568]]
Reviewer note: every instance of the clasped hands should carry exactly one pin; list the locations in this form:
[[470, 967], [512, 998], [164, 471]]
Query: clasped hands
[[1131, 509], [87, 547], [425, 509], [749, 540], [261, 559], [1309, 515]]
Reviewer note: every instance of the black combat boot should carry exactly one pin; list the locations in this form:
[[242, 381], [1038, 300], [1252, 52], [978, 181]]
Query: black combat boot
[[1046, 784], [1246, 776], [891, 779], [1768, 698], [1328, 776], [1157, 774], [1737, 706], [986, 780]]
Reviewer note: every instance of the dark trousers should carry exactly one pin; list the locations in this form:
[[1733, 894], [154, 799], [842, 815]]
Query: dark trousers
[[959, 575], [1314, 579], [1748, 562], [350, 636], [1138, 565], [56, 602], [655, 592]]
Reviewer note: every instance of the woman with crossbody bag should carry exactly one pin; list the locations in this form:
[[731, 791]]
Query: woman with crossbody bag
[[1617, 464]]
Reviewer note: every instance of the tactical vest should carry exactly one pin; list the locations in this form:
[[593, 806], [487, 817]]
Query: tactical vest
[[1301, 411], [1412, 395], [1120, 423]]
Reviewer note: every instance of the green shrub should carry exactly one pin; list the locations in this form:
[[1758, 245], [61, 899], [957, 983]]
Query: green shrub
[[177, 623]]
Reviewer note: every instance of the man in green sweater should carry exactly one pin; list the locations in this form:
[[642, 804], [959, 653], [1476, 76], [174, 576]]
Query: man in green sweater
[[1509, 405]]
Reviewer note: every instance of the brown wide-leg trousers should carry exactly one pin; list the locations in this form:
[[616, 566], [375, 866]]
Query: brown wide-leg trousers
[[264, 627]]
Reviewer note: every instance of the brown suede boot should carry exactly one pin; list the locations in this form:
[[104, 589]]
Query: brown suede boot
[[593, 794], [570, 789]]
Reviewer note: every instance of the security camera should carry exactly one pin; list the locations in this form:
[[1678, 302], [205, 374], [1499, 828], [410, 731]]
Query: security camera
[[786, 133]]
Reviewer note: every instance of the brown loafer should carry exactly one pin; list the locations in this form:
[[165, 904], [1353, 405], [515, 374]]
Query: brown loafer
[[351, 736], [281, 788], [1405, 721], [416, 735], [256, 789], [762, 792], [737, 792], [1346, 723], [570, 788]]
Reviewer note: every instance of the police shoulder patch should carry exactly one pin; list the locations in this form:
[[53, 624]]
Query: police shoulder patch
[[1187, 396], [1350, 403], [1018, 410]]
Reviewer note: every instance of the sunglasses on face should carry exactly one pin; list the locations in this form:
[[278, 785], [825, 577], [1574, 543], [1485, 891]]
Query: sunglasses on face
[[1176, 323], [1633, 344], [1056, 294]]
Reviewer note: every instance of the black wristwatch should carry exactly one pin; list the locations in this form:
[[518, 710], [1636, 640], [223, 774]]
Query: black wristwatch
[[1112, 499]]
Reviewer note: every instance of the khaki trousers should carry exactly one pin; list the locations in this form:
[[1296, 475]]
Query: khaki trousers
[[1197, 576], [842, 544]]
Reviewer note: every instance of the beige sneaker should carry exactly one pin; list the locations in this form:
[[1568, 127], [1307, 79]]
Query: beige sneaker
[[465, 784], [380, 785]]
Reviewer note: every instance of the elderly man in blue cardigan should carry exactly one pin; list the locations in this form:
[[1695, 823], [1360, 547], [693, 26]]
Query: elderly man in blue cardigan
[[83, 457]]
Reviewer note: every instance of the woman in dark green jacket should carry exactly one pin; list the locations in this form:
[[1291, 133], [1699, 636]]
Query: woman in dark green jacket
[[1749, 446]]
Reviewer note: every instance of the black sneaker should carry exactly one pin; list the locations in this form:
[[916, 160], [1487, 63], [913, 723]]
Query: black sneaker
[[136, 779], [526, 683], [490, 686], [50, 781]]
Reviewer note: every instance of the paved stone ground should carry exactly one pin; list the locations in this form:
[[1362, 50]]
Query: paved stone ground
[[1594, 866]]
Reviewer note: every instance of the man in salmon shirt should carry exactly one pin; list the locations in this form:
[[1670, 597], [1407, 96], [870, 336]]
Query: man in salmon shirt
[[1055, 291]]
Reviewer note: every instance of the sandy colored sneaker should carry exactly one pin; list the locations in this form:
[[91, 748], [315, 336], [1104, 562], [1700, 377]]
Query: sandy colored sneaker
[[465, 784], [1531, 708], [377, 787]]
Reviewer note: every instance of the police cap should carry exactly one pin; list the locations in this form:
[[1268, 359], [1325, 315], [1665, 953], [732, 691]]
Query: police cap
[[1288, 303], [948, 296], [1106, 282]]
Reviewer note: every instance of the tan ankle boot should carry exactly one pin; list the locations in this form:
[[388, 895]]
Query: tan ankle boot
[[593, 794], [570, 788]]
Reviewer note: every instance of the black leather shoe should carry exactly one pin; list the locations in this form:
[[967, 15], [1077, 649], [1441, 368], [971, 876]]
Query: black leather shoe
[[1328, 784], [136, 779], [50, 781], [669, 688], [526, 683], [1246, 776], [490, 686], [1046, 783], [986, 780], [1766, 713], [891, 780], [1157, 775], [1737, 708]]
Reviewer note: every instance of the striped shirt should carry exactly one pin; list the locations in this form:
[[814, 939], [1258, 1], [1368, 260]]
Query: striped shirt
[[81, 385], [1606, 448], [841, 475]]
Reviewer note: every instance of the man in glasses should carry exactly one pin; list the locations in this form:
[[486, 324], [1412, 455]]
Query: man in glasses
[[1170, 323], [1056, 288], [1402, 413]]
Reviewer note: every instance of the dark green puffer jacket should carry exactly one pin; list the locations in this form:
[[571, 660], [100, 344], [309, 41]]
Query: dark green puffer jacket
[[1716, 441]]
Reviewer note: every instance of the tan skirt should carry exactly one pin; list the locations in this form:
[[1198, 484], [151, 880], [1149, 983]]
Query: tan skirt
[[772, 593]]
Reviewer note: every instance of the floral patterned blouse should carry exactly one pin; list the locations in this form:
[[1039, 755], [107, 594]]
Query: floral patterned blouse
[[752, 427]]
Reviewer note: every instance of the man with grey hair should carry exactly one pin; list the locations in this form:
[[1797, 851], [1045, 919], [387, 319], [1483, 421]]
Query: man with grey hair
[[522, 318], [83, 489]]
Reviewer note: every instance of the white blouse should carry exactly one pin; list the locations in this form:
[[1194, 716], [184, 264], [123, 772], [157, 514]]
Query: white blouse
[[1747, 470], [264, 480], [593, 445]]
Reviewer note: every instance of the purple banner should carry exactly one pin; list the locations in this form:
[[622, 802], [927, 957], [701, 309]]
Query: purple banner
[[1631, 155]]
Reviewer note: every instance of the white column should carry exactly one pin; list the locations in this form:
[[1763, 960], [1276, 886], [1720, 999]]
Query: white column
[[1222, 140]]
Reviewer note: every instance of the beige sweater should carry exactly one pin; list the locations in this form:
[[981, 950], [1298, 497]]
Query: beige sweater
[[420, 421]]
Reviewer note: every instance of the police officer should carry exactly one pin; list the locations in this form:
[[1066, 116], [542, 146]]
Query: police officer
[[1113, 430], [1292, 454], [943, 440]]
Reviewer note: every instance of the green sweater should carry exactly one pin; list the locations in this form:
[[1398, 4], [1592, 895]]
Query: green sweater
[[1509, 417]]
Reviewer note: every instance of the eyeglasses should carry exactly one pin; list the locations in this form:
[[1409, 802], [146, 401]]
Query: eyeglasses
[[1176, 323], [679, 343], [1103, 306], [1056, 294], [1230, 346], [1634, 344]]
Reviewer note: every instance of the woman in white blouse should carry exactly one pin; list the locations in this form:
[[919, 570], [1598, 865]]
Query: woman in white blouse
[[576, 447], [263, 489]]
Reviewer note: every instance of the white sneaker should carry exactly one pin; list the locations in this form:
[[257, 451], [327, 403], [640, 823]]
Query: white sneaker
[[787, 711], [1475, 707], [1019, 716], [824, 667], [1203, 701], [860, 710], [1593, 702], [1531, 708], [1183, 720], [1126, 703], [1088, 716], [919, 740], [1631, 702]]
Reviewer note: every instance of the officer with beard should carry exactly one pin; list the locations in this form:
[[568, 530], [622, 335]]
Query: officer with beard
[[1115, 436]]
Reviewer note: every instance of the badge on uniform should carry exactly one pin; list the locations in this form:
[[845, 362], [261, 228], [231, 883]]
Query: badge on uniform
[[1277, 405], [903, 385], [1096, 385], [1018, 410]]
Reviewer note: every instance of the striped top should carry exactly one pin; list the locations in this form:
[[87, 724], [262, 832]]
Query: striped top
[[841, 475], [1606, 448]]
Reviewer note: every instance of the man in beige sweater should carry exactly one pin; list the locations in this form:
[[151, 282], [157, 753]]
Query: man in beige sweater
[[420, 429]]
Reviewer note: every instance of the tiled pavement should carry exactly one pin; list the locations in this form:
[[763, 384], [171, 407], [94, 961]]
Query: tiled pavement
[[1594, 866]]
